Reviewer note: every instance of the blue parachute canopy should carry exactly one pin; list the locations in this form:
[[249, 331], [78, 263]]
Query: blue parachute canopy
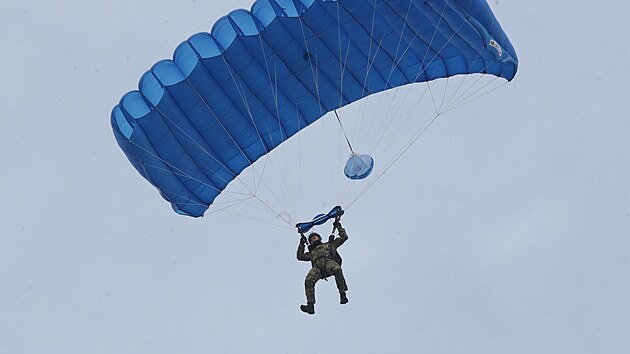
[[229, 97]]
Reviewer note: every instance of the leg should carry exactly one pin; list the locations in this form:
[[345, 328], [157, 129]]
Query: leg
[[334, 268], [309, 284]]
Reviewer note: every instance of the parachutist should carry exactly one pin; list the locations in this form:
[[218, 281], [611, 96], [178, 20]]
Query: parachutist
[[325, 261]]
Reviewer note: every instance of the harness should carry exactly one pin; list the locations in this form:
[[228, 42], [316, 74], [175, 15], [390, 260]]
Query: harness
[[332, 256]]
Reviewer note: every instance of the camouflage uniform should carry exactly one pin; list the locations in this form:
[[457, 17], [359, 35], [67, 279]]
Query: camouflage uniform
[[321, 258]]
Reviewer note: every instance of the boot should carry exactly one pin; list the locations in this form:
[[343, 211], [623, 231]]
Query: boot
[[308, 308], [343, 299]]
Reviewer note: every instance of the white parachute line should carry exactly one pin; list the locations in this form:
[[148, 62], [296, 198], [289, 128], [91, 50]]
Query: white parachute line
[[457, 97], [188, 201], [243, 96], [402, 34], [181, 173], [386, 124], [391, 163], [197, 145], [201, 148], [370, 63], [341, 65], [468, 99], [228, 204], [184, 174], [284, 166], [467, 76], [431, 42], [187, 176], [444, 94], [310, 60], [342, 68], [435, 107], [266, 207], [278, 214], [415, 138], [458, 90], [299, 162], [219, 121], [227, 211], [406, 121], [465, 96], [366, 100], [275, 92], [315, 73], [396, 63], [455, 101], [241, 93]]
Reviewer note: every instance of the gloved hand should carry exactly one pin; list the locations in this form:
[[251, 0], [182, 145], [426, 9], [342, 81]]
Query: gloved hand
[[302, 239], [337, 223]]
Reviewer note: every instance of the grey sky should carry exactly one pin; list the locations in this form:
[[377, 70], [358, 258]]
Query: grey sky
[[506, 230]]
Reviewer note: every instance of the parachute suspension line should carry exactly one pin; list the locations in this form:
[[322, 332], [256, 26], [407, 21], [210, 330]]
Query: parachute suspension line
[[469, 99], [341, 63], [198, 146], [390, 164], [277, 214], [450, 102], [406, 121], [251, 194], [227, 211], [369, 64], [195, 143], [455, 102], [182, 174], [179, 171], [420, 72], [343, 131], [243, 96], [402, 34], [217, 118], [313, 71], [420, 133], [386, 124], [275, 92]]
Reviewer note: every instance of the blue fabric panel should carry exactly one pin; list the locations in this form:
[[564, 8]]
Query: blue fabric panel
[[230, 96], [320, 219]]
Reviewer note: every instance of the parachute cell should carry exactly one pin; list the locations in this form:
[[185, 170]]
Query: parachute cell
[[231, 96]]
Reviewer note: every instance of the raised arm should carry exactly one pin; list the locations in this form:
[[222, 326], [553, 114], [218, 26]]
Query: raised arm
[[301, 255], [343, 236]]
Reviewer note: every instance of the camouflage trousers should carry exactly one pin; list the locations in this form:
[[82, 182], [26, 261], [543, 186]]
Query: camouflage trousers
[[315, 274]]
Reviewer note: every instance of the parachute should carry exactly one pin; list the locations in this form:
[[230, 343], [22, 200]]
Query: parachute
[[230, 97]]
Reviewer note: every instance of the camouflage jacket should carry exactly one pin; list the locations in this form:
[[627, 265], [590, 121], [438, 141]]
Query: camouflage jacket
[[324, 250]]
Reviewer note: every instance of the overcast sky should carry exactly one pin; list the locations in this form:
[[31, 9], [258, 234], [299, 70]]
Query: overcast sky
[[505, 231]]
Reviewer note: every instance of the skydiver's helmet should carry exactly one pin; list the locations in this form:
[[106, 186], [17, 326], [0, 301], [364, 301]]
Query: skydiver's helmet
[[316, 236]]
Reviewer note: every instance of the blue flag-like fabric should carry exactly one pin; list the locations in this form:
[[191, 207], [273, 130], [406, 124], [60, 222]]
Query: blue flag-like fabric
[[320, 219]]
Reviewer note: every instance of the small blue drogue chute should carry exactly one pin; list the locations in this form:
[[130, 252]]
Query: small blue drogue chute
[[359, 166]]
